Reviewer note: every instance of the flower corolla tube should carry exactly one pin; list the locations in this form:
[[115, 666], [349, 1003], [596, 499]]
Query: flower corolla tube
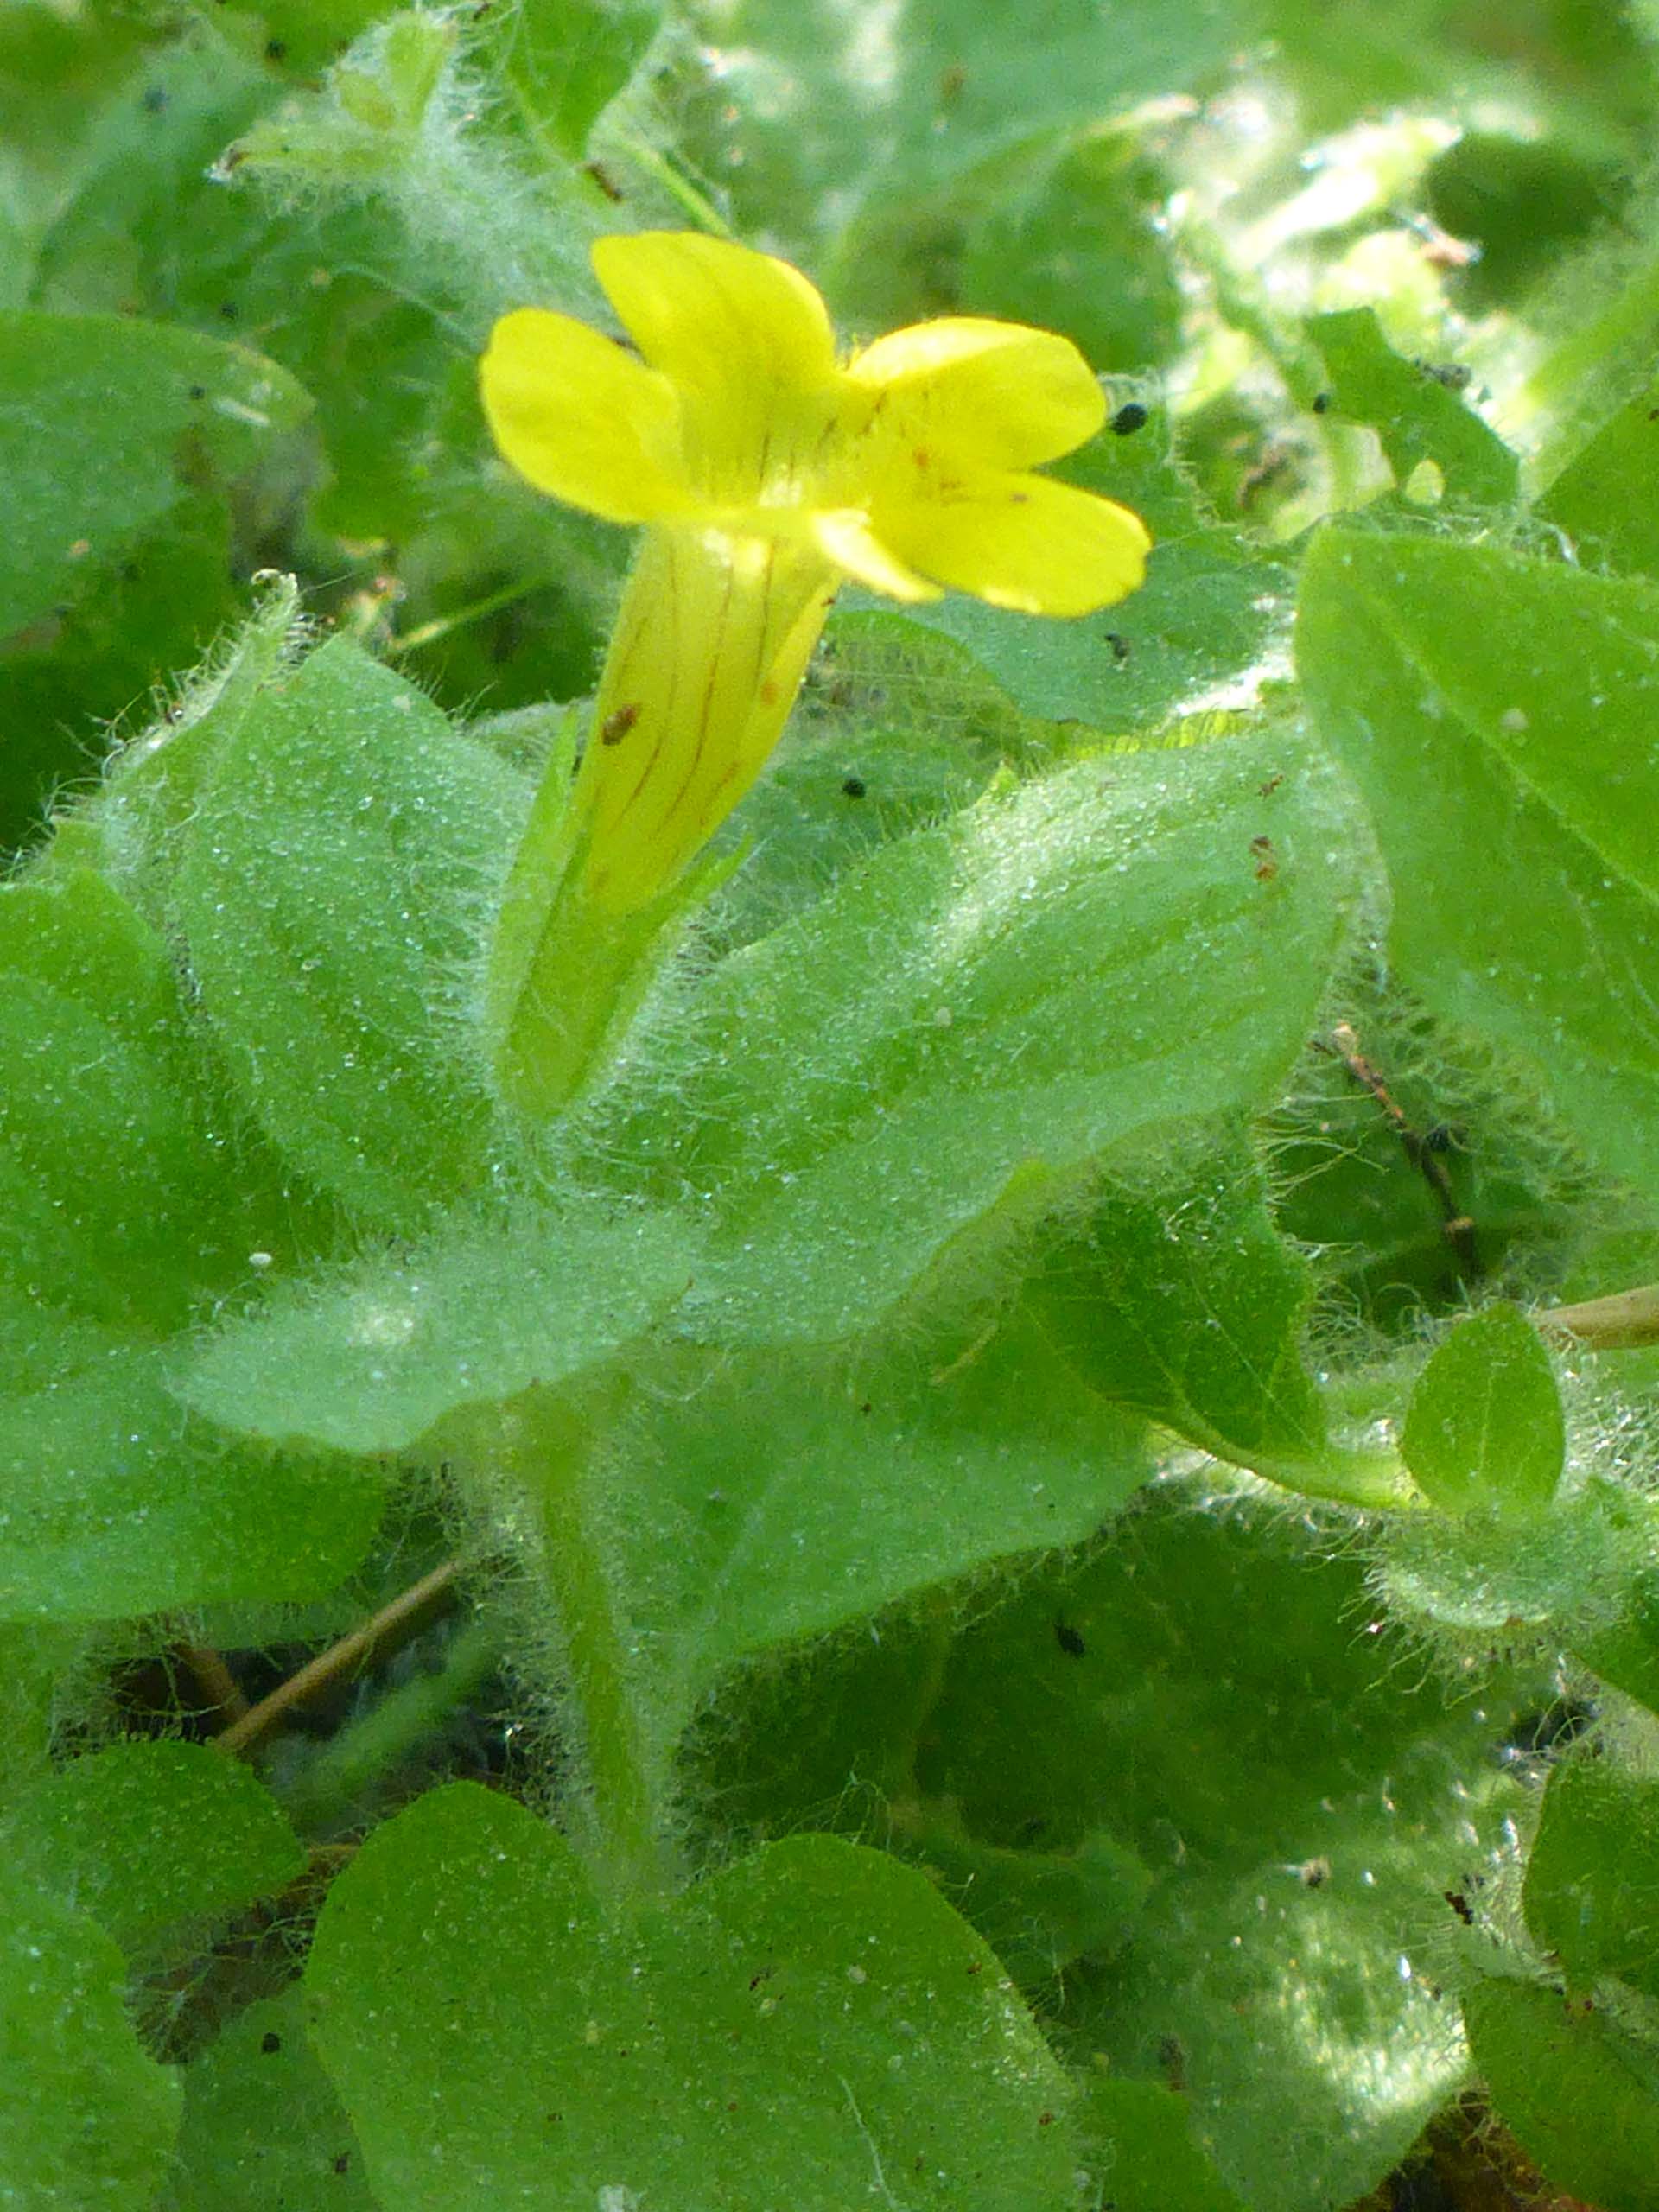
[[767, 469]]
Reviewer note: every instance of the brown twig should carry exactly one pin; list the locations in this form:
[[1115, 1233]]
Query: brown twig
[[1455, 1226], [218, 1685], [408, 1613], [1621, 1322]]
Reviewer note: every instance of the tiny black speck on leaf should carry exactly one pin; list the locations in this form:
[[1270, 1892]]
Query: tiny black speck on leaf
[[1322, 402], [270, 2042], [854, 787], [1069, 1640], [1131, 416], [1120, 646]]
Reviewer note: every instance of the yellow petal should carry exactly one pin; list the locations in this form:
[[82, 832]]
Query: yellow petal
[[1023, 541], [849, 541], [709, 314], [996, 392], [582, 419]]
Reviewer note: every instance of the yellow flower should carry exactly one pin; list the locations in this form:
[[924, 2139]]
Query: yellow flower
[[766, 470]]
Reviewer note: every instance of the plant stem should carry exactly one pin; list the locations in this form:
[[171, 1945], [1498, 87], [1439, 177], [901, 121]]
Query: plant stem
[[407, 1614], [549, 1452]]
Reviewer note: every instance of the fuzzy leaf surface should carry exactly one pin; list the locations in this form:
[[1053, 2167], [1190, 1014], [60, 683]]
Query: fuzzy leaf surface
[[117, 1503], [369, 1360], [1186, 1306], [1582, 2097], [144, 1835], [1497, 714], [106, 424], [1093, 961], [604, 2064], [780, 1501], [262, 2128], [87, 2116], [332, 892], [1210, 607], [1592, 1879], [1303, 1804]]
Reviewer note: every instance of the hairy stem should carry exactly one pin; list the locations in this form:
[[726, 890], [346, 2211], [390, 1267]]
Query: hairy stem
[[618, 1822]]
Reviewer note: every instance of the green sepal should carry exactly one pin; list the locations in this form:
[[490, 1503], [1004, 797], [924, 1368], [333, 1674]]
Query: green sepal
[[564, 982]]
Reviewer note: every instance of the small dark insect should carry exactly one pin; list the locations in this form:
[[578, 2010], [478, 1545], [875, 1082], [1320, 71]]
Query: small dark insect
[[1172, 2057], [270, 2042], [1131, 416], [228, 311], [602, 177], [1271, 785], [867, 1407], [198, 391], [615, 727], [1069, 1640], [1322, 402], [342, 2163], [275, 50], [1313, 1873], [854, 787], [1267, 860], [1460, 1905], [154, 99], [1120, 646], [1455, 376]]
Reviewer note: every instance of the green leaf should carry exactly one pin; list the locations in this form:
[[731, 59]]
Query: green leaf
[[565, 60], [101, 1174], [1624, 1651], [154, 784], [106, 424], [1592, 1877], [333, 891], [1598, 497], [1207, 610], [1485, 1426], [144, 1837], [1215, 1705], [85, 2116], [809, 106], [1415, 416], [262, 2129], [779, 1502], [1148, 2156], [1582, 2099], [1073, 246], [371, 1359], [812, 2026], [1497, 714], [1186, 1305], [115, 1505], [1096, 960]]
